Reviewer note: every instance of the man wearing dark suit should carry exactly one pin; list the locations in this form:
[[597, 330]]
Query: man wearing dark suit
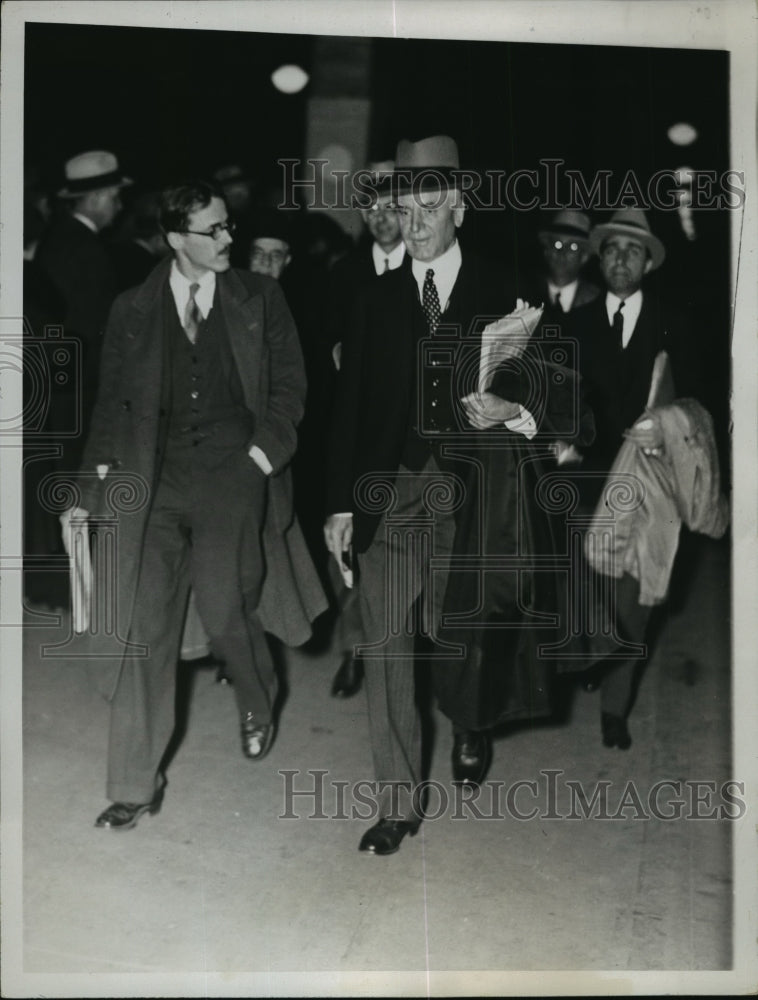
[[384, 252], [565, 252], [619, 336], [201, 389], [393, 415], [74, 256]]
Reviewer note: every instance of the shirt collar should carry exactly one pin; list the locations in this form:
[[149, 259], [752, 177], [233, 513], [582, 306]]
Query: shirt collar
[[567, 293], [180, 288], [445, 267], [395, 257], [85, 221]]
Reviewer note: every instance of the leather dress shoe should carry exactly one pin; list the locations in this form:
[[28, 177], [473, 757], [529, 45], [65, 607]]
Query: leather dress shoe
[[386, 835], [349, 677], [124, 815], [615, 732], [257, 737], [471, 757]]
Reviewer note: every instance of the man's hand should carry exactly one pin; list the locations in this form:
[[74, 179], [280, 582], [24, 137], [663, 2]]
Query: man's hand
[[338, 533], [485, 410], [647, 434]]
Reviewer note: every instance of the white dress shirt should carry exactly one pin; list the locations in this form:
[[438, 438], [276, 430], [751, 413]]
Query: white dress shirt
[[180, 289], [629, 314], [567, 294], [384, 261]]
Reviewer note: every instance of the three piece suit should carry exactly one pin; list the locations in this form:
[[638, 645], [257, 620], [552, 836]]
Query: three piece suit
[[175, 421], [423, 487]]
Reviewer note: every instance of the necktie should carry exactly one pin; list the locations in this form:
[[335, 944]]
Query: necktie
[[430, 301], [192, 315], [557, 301], [618, 328], [386, 264]]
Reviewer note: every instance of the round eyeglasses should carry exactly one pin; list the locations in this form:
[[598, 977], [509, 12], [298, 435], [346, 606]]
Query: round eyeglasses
[[214, 232]]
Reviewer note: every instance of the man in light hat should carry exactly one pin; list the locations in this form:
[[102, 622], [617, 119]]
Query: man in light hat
[[75, 258], [565, 243], [409, 426], [619, 336]]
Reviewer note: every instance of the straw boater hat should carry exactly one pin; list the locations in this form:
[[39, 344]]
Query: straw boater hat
[[428, 164], [91, 171], [567, 225], [629, 222]]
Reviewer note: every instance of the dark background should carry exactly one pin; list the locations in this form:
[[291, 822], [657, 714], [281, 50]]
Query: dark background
[[165, 99]]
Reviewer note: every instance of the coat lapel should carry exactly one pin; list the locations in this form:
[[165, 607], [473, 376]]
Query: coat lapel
[[243, 315]]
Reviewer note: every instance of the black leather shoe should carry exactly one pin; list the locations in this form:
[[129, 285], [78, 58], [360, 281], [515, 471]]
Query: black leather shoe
[[386, 835], [257, 737], [348, 679], [124, 815], [615, 732], [472, 753]]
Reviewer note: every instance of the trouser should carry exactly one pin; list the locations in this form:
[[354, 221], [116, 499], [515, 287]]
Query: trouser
[[632, 620], [398, 597], [203, 530]]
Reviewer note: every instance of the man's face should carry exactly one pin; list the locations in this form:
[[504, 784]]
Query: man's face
[[269, 256], [383, 223], [564, 258], [198, 254], [428, 222], [623, 263]]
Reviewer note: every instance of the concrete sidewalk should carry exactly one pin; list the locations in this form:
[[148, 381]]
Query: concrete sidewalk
[[220, 882]]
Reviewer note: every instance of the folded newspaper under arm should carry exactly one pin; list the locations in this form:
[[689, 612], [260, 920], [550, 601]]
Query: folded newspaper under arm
[[506, 338], [76, 542]]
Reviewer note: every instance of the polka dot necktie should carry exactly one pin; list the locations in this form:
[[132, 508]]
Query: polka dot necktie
[[192, 315], [430, 301]]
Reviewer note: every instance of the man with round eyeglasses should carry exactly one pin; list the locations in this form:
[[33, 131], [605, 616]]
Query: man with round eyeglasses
[[202, 386], [565, 252]]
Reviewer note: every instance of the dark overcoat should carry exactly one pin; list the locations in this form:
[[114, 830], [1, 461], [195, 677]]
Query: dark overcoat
[[489, 615], [129, 427]]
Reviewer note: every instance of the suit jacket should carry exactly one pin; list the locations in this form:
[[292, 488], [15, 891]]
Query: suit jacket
[[78, 263], [617, 384], [499, 675], [127, 425]]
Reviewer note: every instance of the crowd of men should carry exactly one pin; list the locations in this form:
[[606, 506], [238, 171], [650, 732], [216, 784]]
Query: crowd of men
[[284, 396]]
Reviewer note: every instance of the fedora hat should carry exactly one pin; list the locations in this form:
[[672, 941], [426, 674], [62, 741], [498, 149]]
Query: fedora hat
[[428, 164], [567, 224], [629, 222], [91, 171]]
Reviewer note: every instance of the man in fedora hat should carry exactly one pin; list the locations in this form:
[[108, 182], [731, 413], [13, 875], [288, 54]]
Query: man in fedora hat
[[409, 429], [201, 390], [619, 336], [565, 243], [76, 259]]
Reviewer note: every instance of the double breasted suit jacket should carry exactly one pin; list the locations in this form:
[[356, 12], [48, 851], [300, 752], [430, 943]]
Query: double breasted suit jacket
[[129, 425]]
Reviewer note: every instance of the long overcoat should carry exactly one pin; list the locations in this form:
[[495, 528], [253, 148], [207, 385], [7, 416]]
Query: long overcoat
[[129, 429]]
